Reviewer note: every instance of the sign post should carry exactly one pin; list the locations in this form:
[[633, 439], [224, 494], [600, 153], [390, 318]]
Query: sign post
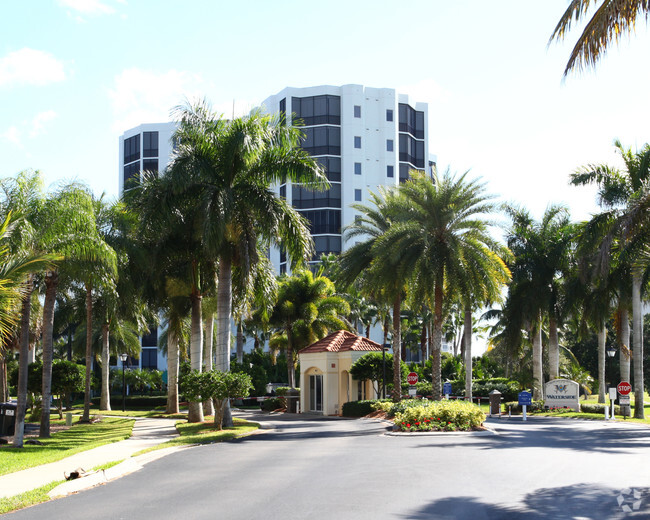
[[624, 388], [612, 397], [412, 380], [525, 399], [446, 389]]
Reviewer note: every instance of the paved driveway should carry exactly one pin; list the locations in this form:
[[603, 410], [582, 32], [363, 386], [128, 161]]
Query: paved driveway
[[331, 469]]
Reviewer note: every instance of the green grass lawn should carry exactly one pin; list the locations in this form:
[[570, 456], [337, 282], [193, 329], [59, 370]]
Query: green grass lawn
[[29, 498], [80, 437], [131, 413], [206, 433]]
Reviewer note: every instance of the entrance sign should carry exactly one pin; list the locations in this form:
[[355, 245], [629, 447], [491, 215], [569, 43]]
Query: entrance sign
[[525, 399], [412, 378], [562, 393], [624, 388]]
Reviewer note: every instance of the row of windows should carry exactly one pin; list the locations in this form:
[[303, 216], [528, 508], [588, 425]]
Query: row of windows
[[132, 149], [332, 166], [304, 198], [132, 171], [411, 121], [150, 144], [322, 140], [149, 358], [317, 110], [323, 221], [151, 339], [404, 170], [411, 150], [325, 245]]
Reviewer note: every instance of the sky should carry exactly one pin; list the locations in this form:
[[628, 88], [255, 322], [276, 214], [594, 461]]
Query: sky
[[75, 74]]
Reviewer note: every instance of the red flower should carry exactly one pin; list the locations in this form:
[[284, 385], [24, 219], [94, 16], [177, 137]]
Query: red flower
[[417, 424], [408, 425]]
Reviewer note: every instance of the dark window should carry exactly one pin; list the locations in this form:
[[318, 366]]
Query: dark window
[[149, 358], [326, 244], [304, 198], [283, 191], [357, 195], [322, 140], [389, 145], [411, 121], [283, 268], [131, 171], [357, 168], [283, 255], [151, 339], [150, 165], [317, 110], [283, 111], [132, 149], [411, 150], [404, 170], [389, 114], [357, 111], [390, 171], [332, 167], [357, 141], [323, 221], [150, 144]]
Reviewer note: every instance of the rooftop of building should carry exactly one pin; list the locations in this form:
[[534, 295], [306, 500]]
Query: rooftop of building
[[342, 341]]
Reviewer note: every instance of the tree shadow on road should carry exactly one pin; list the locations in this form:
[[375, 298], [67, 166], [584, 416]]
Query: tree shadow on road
[[581, 501]]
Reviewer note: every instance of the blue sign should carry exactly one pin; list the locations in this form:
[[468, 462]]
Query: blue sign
[[446, 388], [525, 398]]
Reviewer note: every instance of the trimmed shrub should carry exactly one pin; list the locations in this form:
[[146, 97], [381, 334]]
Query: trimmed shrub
[[537, 406], [599, 408], [281, 391], [271, 404], [482, 387], [439, 416], [358, 408]]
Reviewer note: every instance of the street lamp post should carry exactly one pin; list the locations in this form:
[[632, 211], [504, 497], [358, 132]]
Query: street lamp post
[[611, 352], [123, 358]]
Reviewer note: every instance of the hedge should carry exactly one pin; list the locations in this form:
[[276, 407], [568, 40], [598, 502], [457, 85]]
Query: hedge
[[536, 406], [358, 408], [439, 415], [271, 404], [139, 401]]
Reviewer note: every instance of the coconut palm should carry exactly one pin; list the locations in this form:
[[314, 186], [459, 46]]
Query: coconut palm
[[441, 242], [306, 310], [610, 21], [229, 167]]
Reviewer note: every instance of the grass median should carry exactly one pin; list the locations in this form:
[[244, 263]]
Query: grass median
[[80, 437]]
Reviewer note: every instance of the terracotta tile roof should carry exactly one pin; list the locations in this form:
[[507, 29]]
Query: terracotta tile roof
[[342, 341]]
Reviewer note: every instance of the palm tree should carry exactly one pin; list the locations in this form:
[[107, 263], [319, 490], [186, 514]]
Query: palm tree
[[540, 257], [619, 232], [442, 241], [229, 168], [610, 21], [306, 310], [376, 274]]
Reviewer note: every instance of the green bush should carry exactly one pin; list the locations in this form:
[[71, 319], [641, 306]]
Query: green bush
[[439, 415], [144, 402], [392, 409], [272, 403], [358, 408], [482, 387], [282, 391], [599, 408], [536, 406]]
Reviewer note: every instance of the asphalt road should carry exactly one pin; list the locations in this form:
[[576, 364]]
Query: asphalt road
[[340, 469]]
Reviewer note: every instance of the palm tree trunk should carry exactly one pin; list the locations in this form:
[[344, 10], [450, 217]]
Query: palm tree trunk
[[637, 351], [89, 351], [423, 341], [602, 335], [467, 334], [105, 400], [553, 349], [437, 341], [538, 377], [23, 366], [208, 406], [291, 371], [51, 282], [196, 346], [240, 343], [4, 397], [624, 343], [224, 315], [172, 370], [397, 349]]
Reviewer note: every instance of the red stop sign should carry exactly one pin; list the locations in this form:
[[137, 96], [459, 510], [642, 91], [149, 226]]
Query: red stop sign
[[412, 378], [624, 388]]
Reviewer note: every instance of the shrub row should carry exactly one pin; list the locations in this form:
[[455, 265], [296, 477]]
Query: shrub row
[[509, 388], [537, 406], [439, 415], [138, 401], [272, 403], [599, 408], [358, 408]]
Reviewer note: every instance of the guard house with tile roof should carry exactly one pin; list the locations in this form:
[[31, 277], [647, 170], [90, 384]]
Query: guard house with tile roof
[[325, 380]]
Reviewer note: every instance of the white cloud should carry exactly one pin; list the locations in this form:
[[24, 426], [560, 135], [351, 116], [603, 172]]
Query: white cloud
[[39, 121], [88, 7], [12, 134], [142, 96], [30, 67]]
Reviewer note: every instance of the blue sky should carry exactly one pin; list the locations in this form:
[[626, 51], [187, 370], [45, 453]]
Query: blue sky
[[74, 74]]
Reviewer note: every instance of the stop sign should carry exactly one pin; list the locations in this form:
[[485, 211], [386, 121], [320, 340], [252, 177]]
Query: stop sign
[[624, 388], [412, 378]]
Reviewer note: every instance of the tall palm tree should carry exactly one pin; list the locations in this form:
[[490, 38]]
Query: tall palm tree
[[610, 21], [441, 239], [306, 310], [230, 167], [620, 233]]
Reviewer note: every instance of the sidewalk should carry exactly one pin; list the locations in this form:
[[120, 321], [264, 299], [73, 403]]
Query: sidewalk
[[146, 433]]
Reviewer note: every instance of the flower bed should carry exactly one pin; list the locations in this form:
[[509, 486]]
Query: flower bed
[[424, 415]]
